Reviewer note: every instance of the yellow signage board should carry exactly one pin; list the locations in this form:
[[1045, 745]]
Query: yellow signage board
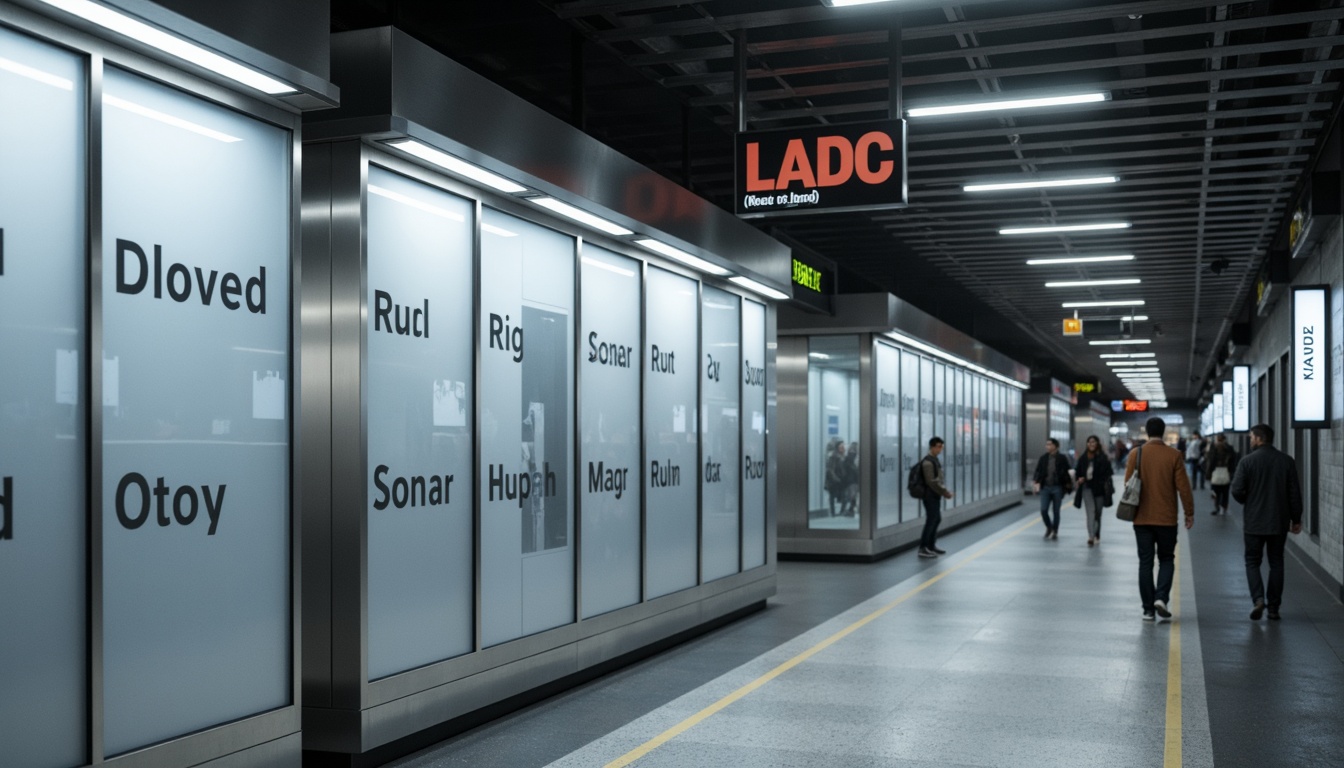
[[1073, 326]]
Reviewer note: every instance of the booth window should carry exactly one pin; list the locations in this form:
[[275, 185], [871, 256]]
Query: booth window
[[834, 493]]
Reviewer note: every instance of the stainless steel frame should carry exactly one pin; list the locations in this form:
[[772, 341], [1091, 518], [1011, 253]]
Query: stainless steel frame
[[268, 738], [346, 712]]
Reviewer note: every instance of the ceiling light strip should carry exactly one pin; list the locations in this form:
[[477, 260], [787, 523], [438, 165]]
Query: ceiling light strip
[[1081, 259], [1091, 283], [1043, 229], [1039, 184], [171, 45], [1006, 104]]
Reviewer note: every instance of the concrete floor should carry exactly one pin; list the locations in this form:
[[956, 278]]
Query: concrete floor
[[1009, 651]]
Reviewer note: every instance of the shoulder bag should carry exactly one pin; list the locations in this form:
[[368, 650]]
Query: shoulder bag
[[1128, 507]]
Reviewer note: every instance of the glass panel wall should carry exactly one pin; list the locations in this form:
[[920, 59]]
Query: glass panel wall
[[910, 449], [833, 432], [890, 471], [753, 434], [720, 435], [671, 444], [527, 428]]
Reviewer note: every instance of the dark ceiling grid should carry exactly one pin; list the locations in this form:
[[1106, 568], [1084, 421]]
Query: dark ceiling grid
[[1216, 110]]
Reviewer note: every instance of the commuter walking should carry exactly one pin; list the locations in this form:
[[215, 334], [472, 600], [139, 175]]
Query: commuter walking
[[1161, 471], [1267, 486], [935, 490], [1050, 480], [849, 474], [835, 468], [1095, 487], [1194, 459], [1219, 463]]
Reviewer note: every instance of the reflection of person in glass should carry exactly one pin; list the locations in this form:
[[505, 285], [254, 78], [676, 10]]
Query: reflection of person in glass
[[849, 473], [835, 464]]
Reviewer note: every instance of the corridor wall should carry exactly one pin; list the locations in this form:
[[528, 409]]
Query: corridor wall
[[148, 244]]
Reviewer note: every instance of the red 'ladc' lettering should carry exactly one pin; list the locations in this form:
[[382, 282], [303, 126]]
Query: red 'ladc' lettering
[[837, 161]]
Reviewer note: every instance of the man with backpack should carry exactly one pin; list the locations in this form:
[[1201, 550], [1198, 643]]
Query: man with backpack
[[926, 484]]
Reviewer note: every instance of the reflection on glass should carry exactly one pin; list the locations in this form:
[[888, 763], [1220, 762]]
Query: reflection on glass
[[834, 497]]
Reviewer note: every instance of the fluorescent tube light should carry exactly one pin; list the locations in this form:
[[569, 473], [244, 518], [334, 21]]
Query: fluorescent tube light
[[846, 3], [170, 44], [1081, 259], [1135, 318], [580, 215], [1125, 362], [1041, 230], [658, 246], [819, 355], [456, 166], [1116, 355], [1103, 342], [764, 290], [1127, 354], [1040, 184], [1089, 283], [1108, 303], [992, 106], [954, 359], [167, 119]]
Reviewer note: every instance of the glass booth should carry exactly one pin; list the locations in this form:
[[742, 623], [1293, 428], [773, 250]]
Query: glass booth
[[868, 404]]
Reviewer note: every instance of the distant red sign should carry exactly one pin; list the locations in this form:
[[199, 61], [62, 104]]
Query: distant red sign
[[1135, 405]]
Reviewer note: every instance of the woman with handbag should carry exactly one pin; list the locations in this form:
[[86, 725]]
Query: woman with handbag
[[1219, 464], [1095, 487]]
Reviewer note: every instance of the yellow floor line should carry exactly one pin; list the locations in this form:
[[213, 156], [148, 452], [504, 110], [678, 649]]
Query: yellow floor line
[[698, 717], [1172, 752]]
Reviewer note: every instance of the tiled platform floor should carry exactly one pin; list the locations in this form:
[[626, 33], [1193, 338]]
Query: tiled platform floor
[[1021, 652]]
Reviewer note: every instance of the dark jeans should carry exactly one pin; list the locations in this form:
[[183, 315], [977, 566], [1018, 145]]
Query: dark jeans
[[933, 516], [1163, 539], [1220, 496], [1196, 473], [1051, 495], [1256, 545]]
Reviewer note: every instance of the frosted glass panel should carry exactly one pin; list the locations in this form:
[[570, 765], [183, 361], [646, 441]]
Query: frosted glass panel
[[753, 434], [196, 489], [609, 396], [419, 394], [527, 435], [670, 441], [720, 358], [887, 361], [911, 450], [42, 343]]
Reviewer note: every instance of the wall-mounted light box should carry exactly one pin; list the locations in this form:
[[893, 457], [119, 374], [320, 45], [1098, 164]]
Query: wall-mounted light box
[[1311, 356], [1241, 398]]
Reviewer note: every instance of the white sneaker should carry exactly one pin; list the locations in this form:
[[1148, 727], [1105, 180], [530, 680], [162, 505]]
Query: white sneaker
[[1162, 612], [1148, 616]]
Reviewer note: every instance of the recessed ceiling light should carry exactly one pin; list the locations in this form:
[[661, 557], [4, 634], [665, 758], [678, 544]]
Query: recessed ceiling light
[[580, 215], [1104, 342], [1081, 259], [1110, 303], [1090, 283], [1041, 230], [171, 45], [993, 106], [658, 246], [456, 166], [1040, 184], [763, 290]]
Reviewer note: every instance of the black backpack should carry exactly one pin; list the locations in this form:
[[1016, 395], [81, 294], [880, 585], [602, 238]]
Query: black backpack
[[915, 482]]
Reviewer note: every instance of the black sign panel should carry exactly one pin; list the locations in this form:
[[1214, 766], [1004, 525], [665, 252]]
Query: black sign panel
[[855, 167], [1104, 329]]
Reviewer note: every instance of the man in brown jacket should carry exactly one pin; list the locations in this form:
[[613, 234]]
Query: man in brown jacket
[[1163, 478]]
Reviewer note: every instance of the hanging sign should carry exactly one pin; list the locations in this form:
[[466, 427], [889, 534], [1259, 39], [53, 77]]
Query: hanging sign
[[1311, 366], [1073, 326], [855, 167], [1227, 406], [1241, 398]]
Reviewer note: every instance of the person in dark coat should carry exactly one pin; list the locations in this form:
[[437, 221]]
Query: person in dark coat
[[1095, 487], [1267, 486], [849, 473], [1219, 463], [1051, 480], [835, 470]]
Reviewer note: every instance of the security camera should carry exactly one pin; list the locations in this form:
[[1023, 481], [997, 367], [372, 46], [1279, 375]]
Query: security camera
[[1218, 265]]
